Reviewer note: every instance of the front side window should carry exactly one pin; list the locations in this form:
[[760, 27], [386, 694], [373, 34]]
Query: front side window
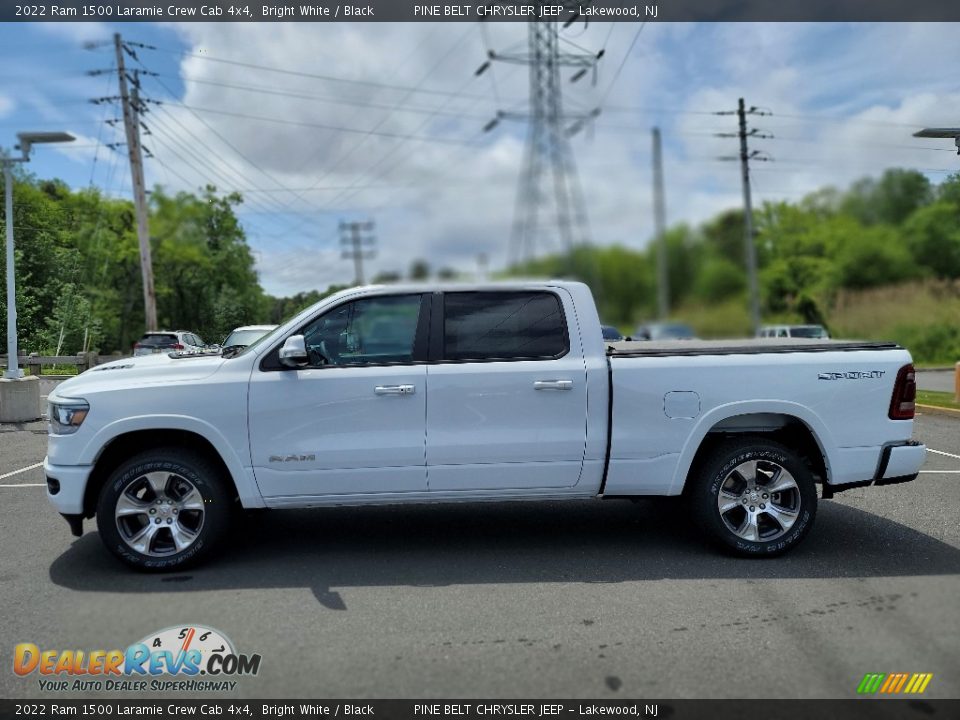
[[375, 330], [503, 326]]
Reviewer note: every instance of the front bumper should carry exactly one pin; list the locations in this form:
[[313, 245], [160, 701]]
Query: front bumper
[[66, 494]]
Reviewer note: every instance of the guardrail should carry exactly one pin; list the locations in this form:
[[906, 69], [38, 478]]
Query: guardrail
[[33, 363]]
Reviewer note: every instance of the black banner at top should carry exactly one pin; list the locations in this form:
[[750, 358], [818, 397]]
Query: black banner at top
[[620, 709], [321, 11]]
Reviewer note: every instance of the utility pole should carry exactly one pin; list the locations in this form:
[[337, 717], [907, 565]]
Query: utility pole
[[357, 244], [547, 153], [660, 227], [745, 156], [131, 124], [749, 244]]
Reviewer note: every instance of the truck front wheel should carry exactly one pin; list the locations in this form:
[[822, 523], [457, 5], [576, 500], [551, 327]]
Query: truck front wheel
[[753, 497], [164, 509]]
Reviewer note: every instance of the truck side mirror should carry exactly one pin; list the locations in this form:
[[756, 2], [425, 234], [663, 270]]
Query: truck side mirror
[[293, 352]]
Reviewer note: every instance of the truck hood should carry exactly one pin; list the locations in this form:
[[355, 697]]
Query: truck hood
[[159, 369]]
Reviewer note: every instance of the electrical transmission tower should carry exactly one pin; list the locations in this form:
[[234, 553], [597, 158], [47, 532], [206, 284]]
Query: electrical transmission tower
[[745, 156], [548, 155], [358, 244]]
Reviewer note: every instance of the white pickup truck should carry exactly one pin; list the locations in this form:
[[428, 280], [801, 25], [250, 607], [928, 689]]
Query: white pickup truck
[[413, 394]]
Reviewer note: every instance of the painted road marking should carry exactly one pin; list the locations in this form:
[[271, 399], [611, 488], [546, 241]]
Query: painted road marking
[[25, 485], [940, 472], [941, 452], [21, 470]]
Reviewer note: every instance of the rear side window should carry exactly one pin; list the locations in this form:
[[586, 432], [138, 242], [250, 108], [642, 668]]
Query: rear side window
[[503, 326], [158, 340]]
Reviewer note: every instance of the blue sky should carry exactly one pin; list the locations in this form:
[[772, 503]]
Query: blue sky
[[398, 138]]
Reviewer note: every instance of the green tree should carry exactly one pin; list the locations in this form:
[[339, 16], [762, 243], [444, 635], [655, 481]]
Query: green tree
[[933, 236]]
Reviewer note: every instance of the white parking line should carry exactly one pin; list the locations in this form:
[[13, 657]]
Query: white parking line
[[17, 472], [941, 452], [940, 472], [24, 485]]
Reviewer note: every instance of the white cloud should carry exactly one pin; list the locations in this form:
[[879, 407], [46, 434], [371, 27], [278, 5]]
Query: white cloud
[[77, 32], [7, 105]]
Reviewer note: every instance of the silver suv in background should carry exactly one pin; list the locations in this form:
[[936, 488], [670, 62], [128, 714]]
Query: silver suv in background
[[817, 332], [168, 341], [241, 337]]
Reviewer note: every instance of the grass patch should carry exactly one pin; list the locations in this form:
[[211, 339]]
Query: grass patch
[[939, 399], [59, 370]]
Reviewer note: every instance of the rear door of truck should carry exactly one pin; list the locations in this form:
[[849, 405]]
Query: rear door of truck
[[506, 391]]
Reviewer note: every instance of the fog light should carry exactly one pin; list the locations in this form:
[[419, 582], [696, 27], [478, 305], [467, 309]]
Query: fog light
[[53, 485]]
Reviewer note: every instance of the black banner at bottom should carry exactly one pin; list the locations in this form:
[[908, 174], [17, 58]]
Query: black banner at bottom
[[867, 709]]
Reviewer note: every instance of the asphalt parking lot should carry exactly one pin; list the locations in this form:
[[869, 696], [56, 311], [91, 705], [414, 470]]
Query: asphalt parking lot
[[581, 599]]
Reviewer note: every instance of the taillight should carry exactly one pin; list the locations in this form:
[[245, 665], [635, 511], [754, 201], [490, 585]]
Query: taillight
[[178, 346], [903, 404]]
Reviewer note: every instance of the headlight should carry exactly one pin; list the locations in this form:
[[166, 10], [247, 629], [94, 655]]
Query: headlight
[[66, 417]]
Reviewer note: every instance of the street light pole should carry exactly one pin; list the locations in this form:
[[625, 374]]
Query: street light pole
[[27, 140], [13, 366]]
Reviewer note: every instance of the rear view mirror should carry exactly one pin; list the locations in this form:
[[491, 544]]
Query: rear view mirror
[[293, 353]]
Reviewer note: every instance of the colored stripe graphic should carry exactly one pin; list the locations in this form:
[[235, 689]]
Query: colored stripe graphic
[[927, 677], [870, 683], [894, 683]]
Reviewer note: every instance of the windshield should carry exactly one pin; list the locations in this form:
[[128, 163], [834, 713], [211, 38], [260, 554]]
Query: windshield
[[808, 331], [158, 339], [244, 337], [255, 343]]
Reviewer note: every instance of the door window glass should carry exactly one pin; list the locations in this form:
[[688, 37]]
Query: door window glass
[[503, 325], [374, 330]]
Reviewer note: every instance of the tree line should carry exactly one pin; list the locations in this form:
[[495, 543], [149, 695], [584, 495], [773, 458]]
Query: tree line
[[79, 285]]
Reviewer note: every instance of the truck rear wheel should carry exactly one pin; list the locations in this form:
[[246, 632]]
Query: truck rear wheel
[[754, 497], [164, 509]]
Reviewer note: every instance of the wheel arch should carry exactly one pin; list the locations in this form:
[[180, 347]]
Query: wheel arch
[[125, 445], [791, 425]]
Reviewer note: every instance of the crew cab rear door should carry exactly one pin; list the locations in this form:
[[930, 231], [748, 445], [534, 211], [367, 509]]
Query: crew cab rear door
[[507, 392]]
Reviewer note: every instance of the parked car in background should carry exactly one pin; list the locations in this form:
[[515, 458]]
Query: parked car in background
[[241, 337], [817, 332], [611, 334], [169, 341], [664, 331]]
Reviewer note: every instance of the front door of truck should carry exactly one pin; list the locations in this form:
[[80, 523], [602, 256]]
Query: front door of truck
[[352, 420]]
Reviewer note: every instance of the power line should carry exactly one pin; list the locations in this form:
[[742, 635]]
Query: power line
[[383, 157], [327, 99], [623, 61], [318, 76], [320, 126]]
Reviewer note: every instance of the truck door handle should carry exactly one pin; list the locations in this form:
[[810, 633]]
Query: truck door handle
[[394, 389], [553, 384]]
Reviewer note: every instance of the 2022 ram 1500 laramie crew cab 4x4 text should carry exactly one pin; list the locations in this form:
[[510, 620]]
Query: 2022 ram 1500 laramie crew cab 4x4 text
[[412, 394]]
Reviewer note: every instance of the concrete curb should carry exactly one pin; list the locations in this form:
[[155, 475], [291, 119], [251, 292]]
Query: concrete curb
[[937, 410]]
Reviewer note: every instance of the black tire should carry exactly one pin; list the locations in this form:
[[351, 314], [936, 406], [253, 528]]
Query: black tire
[[173, 510], [767, 534]]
